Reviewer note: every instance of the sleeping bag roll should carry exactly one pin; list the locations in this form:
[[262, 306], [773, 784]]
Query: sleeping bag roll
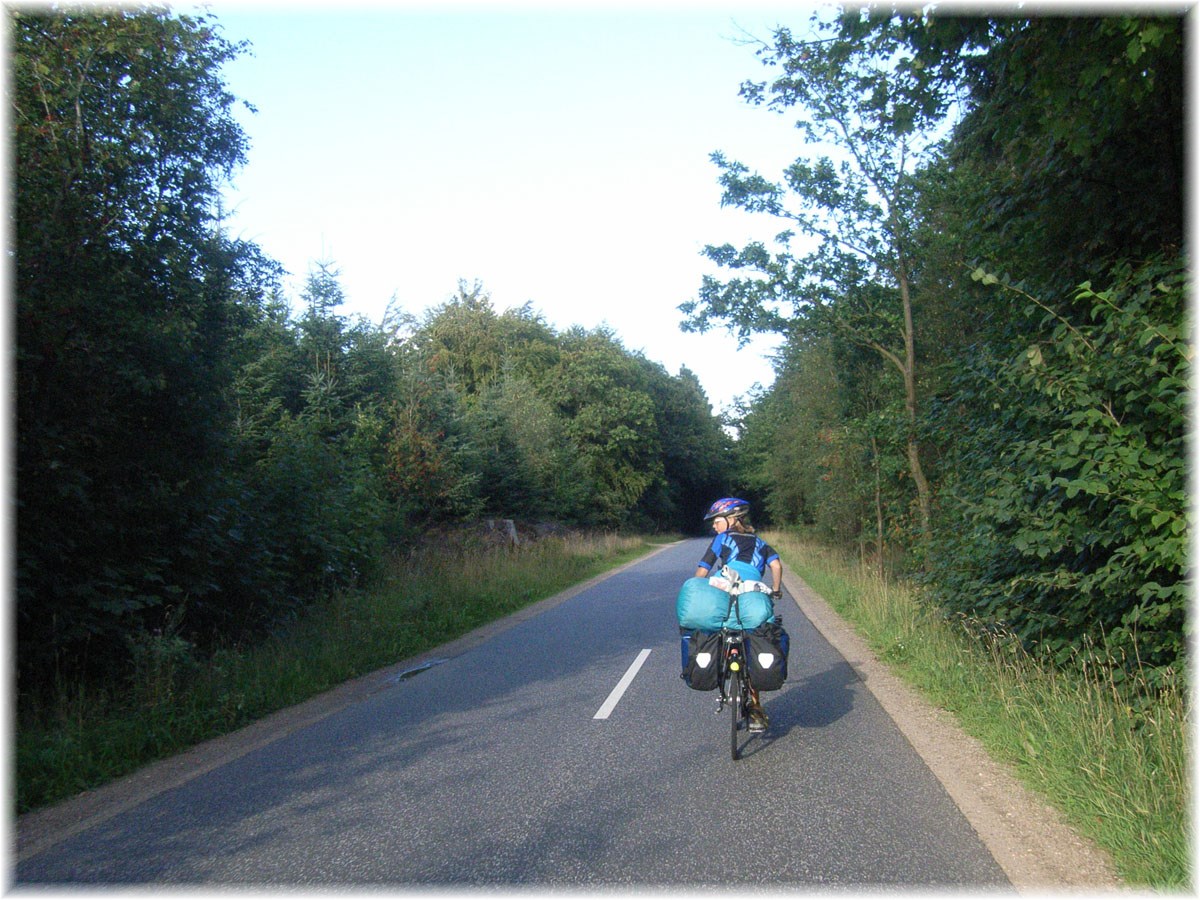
[[702, 607], [754, 608]]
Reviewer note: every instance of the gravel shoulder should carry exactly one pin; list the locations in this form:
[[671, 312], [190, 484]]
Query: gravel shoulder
[[1030, 840]]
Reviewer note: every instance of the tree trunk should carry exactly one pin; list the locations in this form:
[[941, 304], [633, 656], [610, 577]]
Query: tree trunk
[[910, 402]]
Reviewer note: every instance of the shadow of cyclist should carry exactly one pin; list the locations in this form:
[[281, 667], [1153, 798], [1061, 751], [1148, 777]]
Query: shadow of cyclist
[[811, 702]]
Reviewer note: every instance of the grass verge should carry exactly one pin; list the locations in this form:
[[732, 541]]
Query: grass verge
[[88, 736], [1107, 751]]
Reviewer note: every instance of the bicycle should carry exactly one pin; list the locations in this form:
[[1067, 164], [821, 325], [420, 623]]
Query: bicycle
[[733, 685], [733, 676], [720, 659]]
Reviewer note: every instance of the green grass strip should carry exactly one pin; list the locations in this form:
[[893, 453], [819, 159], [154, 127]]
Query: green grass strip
[[1105, 749]]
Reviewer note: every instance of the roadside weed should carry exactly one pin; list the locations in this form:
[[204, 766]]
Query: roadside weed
[[1100, 744]]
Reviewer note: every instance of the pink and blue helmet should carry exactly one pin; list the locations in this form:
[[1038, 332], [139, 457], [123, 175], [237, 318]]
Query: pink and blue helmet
[[731, 507]]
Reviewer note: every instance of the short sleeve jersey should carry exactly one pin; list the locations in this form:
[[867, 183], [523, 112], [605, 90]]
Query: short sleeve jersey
[[733, 545]]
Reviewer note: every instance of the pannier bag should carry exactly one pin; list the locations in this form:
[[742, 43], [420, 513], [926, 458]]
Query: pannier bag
[[700, 650], [702, 607], [767, 653]]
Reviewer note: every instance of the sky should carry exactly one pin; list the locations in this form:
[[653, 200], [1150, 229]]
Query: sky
[[557, 155]]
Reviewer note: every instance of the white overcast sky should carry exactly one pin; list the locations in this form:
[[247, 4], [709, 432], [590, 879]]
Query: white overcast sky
[[559, 155]]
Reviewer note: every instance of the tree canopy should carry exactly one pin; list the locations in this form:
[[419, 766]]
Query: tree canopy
[[1000, 222], [198, 454]]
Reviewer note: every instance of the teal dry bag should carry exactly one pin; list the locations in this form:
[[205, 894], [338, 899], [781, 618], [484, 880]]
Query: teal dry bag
[[702, 607], [753, 609]]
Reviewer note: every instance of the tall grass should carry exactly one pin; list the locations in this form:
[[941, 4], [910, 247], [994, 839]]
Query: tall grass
[[1097, 741], [88, 735]]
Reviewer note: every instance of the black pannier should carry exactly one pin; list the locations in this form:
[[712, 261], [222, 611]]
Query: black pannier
[[767, 653], [700, 651]]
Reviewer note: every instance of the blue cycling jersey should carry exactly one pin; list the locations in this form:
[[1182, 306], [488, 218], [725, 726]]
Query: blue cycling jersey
[[735, 546]]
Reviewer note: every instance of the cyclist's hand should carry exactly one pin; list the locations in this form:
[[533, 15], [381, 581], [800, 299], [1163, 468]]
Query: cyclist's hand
[[776, 595]]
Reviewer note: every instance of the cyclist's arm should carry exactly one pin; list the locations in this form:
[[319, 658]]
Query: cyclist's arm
[[776, 568], [709, 559], [773, 565]]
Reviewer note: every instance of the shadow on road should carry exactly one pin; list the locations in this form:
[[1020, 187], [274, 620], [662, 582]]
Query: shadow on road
[[815, 701]]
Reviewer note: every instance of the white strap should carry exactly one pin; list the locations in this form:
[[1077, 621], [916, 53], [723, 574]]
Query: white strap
[[731, 582]]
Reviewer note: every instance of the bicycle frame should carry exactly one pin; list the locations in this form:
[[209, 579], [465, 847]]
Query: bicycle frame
[[733, 672], [733, 666], [733, 681]]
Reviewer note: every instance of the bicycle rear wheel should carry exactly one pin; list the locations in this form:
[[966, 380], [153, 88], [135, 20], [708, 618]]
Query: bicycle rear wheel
[[737, 702]]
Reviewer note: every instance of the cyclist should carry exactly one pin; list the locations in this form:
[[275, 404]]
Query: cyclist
[[736, 541]]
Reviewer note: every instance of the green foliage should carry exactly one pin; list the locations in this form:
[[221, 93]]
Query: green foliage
[[321, 506], [785, 443], [1074, 504], [811, 445], [126, 306], [695, 451], [1075, 142], [472, 346], [864, 112], [428, 478], [124, 129], [1050, 147], [524, 458], [461, 340], [601, 390]]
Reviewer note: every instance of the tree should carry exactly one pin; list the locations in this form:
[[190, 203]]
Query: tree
[[1071, 504], [125, 301], [528, 466], [812, 445], [864, 102], [1074, 145], [1061, 418], [599, 388], [322, 330], [460, 339], [695, 449]]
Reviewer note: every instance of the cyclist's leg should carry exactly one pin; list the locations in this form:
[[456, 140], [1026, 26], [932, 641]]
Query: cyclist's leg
[[758, 716]]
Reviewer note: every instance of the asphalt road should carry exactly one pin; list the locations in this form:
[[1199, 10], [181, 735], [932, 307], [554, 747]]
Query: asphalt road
[[491, 768]]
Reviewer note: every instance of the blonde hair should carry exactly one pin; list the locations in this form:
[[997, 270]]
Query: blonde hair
[[743, 524]]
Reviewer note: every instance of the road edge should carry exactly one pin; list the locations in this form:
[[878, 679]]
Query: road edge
[[1028, 838], [41, 829]]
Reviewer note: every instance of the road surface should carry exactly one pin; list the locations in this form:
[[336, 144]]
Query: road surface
[[561, 750]]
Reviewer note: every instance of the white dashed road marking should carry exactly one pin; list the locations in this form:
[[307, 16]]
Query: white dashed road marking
[[627, 679]]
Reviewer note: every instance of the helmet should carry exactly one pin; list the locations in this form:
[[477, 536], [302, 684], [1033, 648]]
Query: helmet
[[731, 507]]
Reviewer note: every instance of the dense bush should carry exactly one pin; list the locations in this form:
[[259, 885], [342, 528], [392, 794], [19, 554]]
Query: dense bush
[[1069, 503]]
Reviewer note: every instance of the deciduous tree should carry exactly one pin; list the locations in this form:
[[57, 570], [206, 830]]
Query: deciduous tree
[[125, 304], [868, 116]]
